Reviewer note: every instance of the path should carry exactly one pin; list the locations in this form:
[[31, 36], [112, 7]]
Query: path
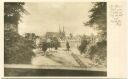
[[78, 60]]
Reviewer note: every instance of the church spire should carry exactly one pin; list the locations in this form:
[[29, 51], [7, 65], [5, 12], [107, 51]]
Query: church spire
[[63, 32]]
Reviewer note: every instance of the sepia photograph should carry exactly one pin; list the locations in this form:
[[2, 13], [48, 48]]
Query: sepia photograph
[[55, 39]]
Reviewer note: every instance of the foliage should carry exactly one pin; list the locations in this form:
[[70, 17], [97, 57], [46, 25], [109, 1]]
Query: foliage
[[31, 37], [56, 43], [98, 17], [13, 12], [53, 43], [99, 49], [17, 49], [83, 46], [44, 46]]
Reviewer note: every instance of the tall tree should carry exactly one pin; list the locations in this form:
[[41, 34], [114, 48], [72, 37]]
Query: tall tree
[[98, 17], [17, 49], [13, 12]]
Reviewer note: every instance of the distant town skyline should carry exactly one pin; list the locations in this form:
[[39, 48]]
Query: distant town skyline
[[48, 17]]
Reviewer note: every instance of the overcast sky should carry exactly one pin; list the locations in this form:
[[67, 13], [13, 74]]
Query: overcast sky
[[46, 16]]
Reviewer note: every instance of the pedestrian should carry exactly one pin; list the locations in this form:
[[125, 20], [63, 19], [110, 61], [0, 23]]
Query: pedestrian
[[68, 46]]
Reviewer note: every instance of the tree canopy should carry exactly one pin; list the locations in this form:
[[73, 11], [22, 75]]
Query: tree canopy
[[13, 12], [17, 49], [98, 15]]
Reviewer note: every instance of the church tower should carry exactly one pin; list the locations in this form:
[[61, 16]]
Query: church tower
[[62, 33]]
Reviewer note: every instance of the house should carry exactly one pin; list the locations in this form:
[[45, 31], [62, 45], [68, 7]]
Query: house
[[60, 34]]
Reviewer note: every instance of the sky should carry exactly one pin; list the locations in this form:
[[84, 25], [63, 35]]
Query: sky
[[49, 16]]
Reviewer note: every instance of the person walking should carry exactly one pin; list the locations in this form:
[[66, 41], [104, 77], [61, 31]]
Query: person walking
[[67, 46]]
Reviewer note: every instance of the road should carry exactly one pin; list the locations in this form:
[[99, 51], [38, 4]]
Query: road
[[61, 57]]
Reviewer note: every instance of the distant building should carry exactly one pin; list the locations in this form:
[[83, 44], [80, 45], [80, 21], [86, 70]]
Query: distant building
[[52, 34], [74, 41], [60, 34]]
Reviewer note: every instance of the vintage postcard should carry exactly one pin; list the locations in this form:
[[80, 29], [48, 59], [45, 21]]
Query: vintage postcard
[[64, 38]]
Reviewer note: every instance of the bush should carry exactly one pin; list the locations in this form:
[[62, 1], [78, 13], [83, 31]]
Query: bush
[[83, 47], [17, 50], [54, 43], [44, 46], [100, 49]]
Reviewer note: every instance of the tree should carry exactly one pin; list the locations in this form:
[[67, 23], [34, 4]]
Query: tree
[[84, 43], [31, 37], [44, 46], [16, 48], [13, 12], [100, 50], [53, 42], [98, 17], [56, 43]]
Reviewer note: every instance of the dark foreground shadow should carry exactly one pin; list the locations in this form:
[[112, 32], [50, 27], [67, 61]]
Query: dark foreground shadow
[[51, 72]]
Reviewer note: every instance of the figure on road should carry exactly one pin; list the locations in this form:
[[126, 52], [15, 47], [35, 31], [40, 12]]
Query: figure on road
[[67, 46]]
